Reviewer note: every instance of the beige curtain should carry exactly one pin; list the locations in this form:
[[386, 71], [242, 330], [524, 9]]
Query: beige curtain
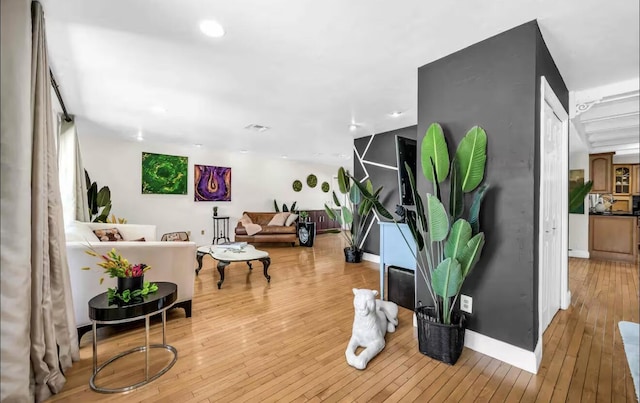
[[40, 287], [72, 181], [15, 196]]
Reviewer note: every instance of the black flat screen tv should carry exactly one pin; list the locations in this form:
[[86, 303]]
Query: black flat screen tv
[[406, 151]]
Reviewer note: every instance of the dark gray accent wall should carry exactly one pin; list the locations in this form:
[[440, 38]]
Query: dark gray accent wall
[[382, 150], [495, 84]]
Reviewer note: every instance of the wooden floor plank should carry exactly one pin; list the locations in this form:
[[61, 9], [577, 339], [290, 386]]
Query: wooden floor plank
[[284, 341]]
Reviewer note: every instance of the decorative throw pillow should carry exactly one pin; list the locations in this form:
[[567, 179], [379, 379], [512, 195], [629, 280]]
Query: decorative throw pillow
[[279, 219], [108, 235], [292, 217], [139, 240], [245, 219]]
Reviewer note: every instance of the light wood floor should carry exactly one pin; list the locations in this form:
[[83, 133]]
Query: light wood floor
[[284, 341]]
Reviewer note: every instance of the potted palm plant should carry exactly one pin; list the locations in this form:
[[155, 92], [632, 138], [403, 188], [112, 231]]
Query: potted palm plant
[[354, 212], [448, 245]]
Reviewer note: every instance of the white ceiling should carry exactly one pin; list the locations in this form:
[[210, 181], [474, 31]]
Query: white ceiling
[[306, 69], [607, 118]]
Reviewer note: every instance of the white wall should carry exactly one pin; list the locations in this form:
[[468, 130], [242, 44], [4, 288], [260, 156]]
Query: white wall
[[256, 181], [579, 223]]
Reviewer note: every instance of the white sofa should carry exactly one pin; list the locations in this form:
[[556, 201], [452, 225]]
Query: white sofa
[[169, 261]]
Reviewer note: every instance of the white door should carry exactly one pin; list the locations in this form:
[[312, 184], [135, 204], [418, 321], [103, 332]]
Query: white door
[[553, 207]]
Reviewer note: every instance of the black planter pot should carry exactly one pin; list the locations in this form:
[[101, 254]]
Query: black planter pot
[[130, 283], [439, 341], [306, 233], [352, 255]]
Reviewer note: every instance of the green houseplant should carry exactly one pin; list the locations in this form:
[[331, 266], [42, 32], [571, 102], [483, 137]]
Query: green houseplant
[[577, 195], [448, 245], [354, 213], [99, 200]]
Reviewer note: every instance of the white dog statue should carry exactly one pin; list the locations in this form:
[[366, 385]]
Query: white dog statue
[[372, 320]]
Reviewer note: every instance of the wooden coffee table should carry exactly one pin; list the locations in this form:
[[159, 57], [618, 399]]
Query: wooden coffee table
[[227, 256]]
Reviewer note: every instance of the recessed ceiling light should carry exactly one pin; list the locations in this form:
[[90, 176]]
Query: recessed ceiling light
[[257, 128], [139, 136], [353, 127], [284, 156], [244, 151], [212, 28], [395, 114], [198, 145]]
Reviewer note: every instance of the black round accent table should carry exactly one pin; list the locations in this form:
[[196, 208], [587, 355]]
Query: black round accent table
[[101, 312]]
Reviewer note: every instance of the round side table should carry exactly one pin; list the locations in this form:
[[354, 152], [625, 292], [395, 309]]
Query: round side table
[[102, 312]]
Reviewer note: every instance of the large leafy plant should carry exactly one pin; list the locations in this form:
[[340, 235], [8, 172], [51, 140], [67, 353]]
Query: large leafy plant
[[354, 211], [448, 245]]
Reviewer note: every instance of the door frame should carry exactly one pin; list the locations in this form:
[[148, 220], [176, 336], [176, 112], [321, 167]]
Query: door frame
[[548, 95]]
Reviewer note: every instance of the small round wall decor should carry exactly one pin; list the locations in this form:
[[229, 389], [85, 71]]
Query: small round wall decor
[[312, 181], [325, 187], [297, 185]]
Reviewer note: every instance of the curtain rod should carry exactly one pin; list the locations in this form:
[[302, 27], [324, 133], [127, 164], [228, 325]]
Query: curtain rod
[[55, 86]]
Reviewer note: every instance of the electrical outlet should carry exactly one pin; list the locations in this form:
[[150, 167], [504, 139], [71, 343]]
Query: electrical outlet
[[466, 303], [202, 232]]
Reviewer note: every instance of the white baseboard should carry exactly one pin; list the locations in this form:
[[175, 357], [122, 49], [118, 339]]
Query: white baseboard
[[512, 355], [370, 257], [579, 253], [567, 301]]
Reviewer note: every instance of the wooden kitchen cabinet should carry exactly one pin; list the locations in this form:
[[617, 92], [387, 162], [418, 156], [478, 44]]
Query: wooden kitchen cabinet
[[613, 237], [622, 203], [635, 179], [621, 179], [600, 172]]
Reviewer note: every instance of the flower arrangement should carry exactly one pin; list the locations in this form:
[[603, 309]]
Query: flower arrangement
[[117, 266]]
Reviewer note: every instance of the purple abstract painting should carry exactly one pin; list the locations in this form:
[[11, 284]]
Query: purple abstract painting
[[212, 183]]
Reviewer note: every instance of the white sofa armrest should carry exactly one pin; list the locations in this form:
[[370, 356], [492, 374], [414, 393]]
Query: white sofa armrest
[[170, 261]]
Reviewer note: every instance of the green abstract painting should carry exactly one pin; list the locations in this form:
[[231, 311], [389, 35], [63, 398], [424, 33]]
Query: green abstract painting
[[164, 174]]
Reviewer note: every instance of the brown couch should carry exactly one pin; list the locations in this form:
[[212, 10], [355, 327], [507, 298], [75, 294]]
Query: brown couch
[[269, 233]]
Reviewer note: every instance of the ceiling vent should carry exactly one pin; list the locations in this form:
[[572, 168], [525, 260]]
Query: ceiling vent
[[257, 128]]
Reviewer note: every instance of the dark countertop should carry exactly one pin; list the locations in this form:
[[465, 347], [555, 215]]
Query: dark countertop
[[617, 214]]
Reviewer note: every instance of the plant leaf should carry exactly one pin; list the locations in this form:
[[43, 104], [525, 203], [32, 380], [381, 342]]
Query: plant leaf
[[104, 196], [365, 207], [275, 206], [437, 218], [422, 219], [436, 183], [458, 238], [447, 278], [354, 195], [577, 195], [434, 147], [472, 156], [474, 211], [456, 196], [92, 198], [470, 254], [346, 215], [369, 186], [330, 212], [87, 179], [417, 235], [335, 200], [343, 181]]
